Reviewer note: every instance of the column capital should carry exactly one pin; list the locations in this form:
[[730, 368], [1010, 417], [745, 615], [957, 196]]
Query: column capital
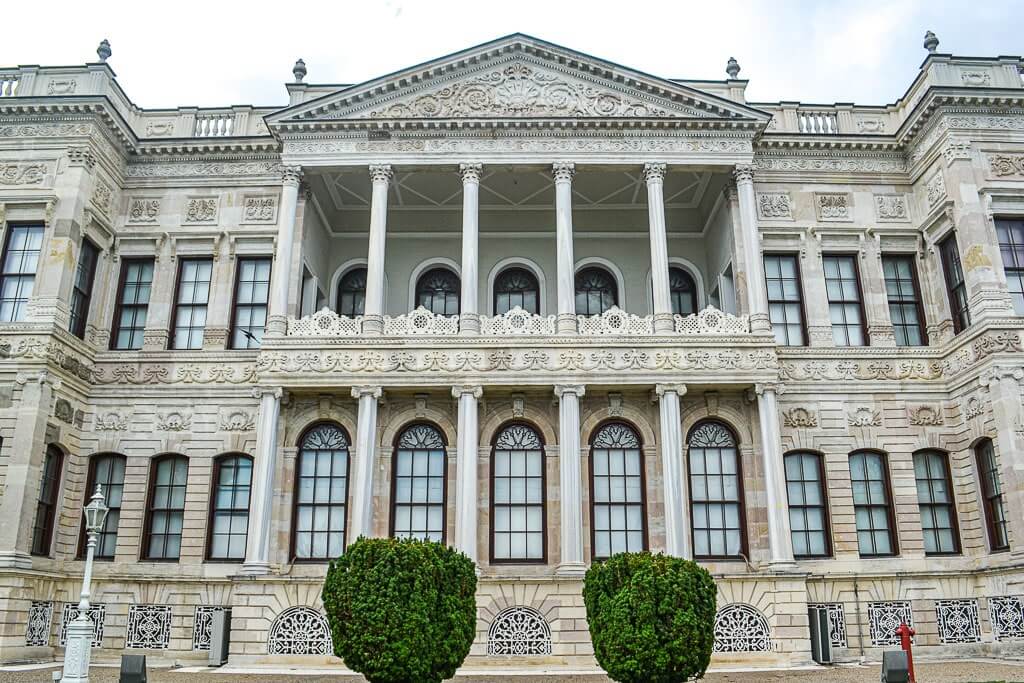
[[575, 389], [743, 173], [563, 171], [992, 375], [662, 389], [381, 173], [42, 378], [763, 387], [81, 156], [367, 390], [474, 389], [260, 392], [654, 172], [471, 172], [291, 175]]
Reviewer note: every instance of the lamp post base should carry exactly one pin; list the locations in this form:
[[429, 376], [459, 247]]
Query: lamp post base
[[78, 650]]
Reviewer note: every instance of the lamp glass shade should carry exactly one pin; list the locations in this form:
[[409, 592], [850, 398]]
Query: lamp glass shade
[[95, 512]]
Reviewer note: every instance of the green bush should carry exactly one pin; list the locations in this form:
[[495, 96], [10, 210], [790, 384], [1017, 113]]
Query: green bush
[[401, 610], [651, 617]]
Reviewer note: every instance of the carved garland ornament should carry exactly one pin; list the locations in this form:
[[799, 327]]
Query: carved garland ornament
[[774, 205], [1002, 165], [891, 207], [143, 210], [22, 174], [799, 417]]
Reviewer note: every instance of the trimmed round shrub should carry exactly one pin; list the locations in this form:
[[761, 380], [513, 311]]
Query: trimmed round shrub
[[651, 617], [401, 610]]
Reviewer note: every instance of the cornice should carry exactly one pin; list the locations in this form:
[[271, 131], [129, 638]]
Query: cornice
[[249, 146], [67, 109]]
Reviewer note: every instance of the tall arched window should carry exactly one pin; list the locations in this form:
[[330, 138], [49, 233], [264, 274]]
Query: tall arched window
[[596, 291], [716, 492], [517, 494], [419, 484], [808, 510], [935, 500], [46, 506], [352, 293], [165, 512], [683, 291], [107, 470], [516, 286], [872, 504], [437, 290], [992, 494], [617, 520], [229, 507], [321, 494]]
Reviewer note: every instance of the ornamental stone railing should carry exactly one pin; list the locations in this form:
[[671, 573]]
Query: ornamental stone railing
[[517, 322], [712, 321], [421, 322], [614, 321], [325, 323]]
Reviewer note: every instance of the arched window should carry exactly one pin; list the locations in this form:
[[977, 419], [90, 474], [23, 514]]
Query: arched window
[[419, 484], [617, 520], [46, 506], [935, 499], [321, 494], [596, 291], [352, 293], [517, 493], [683, 291], [165, 512], [516, 287], [992, 493], [872, 504], [107, 470], [437, 290], [229, 507], [716, 492], [808, 510]]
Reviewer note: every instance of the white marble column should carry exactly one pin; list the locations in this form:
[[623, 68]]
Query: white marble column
[[780, 540], [570, 483], [281, 273], [361, 522], [261, 500], [757, 293], [373, 315], [677, 540], [467, 446], [469, 315], [563, 173], [654, 174]]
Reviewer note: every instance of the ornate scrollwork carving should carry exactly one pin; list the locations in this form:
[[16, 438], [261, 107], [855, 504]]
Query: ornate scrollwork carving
[[741, 628], [614, 321], [519, 631], [300, 631], [712, 321], [421, 322], [517, 322]]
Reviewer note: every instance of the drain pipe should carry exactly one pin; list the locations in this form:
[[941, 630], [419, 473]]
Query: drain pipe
[[860, 620]]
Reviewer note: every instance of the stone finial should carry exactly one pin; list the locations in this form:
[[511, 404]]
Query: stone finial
[[931, 43], [299, 70], [732, 67], [104, 50]]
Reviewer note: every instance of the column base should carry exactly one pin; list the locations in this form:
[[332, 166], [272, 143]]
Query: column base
[[759, 322], [571, 569], [255, 569], [469, 324], [782, 566], [664, 323], [373, 324], [277, 325], [15, 560], [566, 323]]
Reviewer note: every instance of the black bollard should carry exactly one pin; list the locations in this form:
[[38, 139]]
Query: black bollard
[[133, 669], [894, 667]]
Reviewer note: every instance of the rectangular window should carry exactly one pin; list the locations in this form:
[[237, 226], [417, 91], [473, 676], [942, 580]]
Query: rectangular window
[[1011, 246], [46, 506], [904, 294], [785, 298], [190, 303], [845, 306], [252, 289], [935, 498], [132, 304], [992, 492], [81, 295], [229, 514], [956, 288], [18, 270], [805, 478], [107, 471], [872, 504], [166, 508]]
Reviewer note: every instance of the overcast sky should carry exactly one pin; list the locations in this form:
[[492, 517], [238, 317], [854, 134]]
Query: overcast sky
[[215, 53]]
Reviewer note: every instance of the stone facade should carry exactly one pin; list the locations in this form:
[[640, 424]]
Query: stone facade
[[517, 154]]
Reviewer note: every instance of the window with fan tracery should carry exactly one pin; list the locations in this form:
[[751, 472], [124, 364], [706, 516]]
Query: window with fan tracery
[[596, 291], [517, 480], [716, 505], [516, 287], [437, 290], [683, 291], [419, 481], [352, 293], [617, 510]]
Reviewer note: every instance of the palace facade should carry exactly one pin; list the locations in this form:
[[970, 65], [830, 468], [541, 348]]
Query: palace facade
[[532, 304]]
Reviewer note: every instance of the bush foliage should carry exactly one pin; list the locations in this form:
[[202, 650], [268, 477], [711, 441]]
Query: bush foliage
[[651, 617], [401, 610]]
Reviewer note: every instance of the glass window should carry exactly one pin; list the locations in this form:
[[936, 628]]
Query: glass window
[[516, 287], [352, 293], [617, 481], [517, 485], [1011, 246], [191, 303], [904, 294], [872, 504], [596, 291], [844, 303], [108, 471], [419, 481], [321, 494], [935, 499], [956, 288], [683, 291], [132, 304], [229, 507], [18, 275], [81, 293], [716, 492], [252, 289], [168, 477], [785, 302], [808, 517], [46, 506], [992, 492], [437, 290]]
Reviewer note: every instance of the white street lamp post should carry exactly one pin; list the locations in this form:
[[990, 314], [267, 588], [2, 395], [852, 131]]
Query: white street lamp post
[[80, 631]]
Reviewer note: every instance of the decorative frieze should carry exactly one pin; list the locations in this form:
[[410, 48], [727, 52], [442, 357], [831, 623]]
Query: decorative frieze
[[975, 77], [885, 617], [207, 169], [864, 416], [259, 209], [891, 208], [237, 421], [149, 627], [143, 210], [799, 417], [61, 86], [22, 173], [774, 205], [958, 621], [870, 126], [159, 129], [925, 416], [833, 206], [935, 189], [111, 422], [102, 196], [201, 210], [893, 164], [956, 148], [174, 421], [1004, 165]]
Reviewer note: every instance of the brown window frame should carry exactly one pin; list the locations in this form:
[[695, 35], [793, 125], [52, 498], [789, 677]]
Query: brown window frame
[[854, 259], [218, 463], [950, 256], [147, 528], [393, 506], [234, 300], [988, 497], [1012, 257], [495, 293], [741, 501], [543, 492], [9, 230], [90, 488], [176, 304], [77, 324], [49, 481], [823, 492], [805, 341], [293, 529], [115, 325], [951, 505], [890, 506], [922, 322], [645, 535]]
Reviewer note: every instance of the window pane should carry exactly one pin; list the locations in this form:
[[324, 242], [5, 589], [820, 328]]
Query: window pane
[[191, 303], [250, 307], [322, 483], [785, 308], [843, 293], [517, 528], [18, 271], [806, 503], [715, 491], [872, 503]]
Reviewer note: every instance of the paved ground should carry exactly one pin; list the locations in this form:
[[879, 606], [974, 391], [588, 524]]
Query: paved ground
[[935, 672]]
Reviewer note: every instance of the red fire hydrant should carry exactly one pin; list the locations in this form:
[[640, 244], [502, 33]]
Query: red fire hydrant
[[905, 633]]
